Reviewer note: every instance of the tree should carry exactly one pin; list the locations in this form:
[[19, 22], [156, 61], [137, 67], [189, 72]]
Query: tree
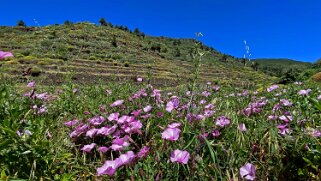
[[67, 22], [177, 52], [103, 22], [224, 58], [114, 41], [255, 65], [137, 32], [244, 60], [21, 23], [177, 42]]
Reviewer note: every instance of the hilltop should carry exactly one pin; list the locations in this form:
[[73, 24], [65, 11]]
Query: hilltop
[[88, 53]]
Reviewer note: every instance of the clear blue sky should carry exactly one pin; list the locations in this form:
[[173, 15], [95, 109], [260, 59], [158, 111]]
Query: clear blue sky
[[272, 28]]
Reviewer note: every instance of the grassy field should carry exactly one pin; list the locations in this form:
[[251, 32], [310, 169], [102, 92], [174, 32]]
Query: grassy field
[[69, 132]]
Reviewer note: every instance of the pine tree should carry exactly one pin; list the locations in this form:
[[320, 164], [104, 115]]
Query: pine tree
[[21, 23], [103, 22]]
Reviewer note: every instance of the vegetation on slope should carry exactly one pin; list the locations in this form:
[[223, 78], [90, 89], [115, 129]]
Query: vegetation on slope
[[89, 53], [279, 67]]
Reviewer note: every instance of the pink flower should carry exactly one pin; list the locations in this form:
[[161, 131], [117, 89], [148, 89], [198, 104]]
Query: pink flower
[[31, 84], [272, 117], [71, 123], [113, 116], [42, 109], [313, 132], [139, 79], [247, 171], [316, 133], [216, 88], [209, 106], [106, 130], [285, 102], [125, 119], [81, 128], [119, 144], [283, 130], [143, 152], [133, 127], [169, 106], [286, 118], [92, 132], [146, 116], [117, 103], [136, 113], [147, 109], [159, 114], [216, 133], [174, 125], [103, 149], [97, 120], [272, 88], [127, 158], [43, 96], [109, 167], [171, 134], [222, 121], [242, 127], [202, 101], [5, 54], [206, 93], [156, 93], [200, 117], [172, 104], [180, 156], [88, 148], [208, 113], [304, 92]]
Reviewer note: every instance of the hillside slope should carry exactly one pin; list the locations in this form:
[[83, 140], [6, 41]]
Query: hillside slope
[[88, 53], [280, 66]]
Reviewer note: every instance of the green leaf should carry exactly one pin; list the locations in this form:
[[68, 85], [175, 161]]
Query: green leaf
[[192, 140], [315, 103], [210, 149]]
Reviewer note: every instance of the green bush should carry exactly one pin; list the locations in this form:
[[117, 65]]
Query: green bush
[[35, 71], [92, 58], [317, 77]]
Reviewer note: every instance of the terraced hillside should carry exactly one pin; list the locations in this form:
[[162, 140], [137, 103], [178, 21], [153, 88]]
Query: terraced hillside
[[87, 53], [280, 66]]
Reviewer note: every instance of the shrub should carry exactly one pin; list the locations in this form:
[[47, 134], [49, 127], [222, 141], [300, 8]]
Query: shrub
[[26, 52], [68, 23], [317, 77], [126, 64], [103, 22], [92, 58], [21, 23], [114, 41], [35, 71]]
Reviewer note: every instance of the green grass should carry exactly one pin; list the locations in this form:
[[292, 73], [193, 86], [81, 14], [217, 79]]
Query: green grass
[[50, 154]]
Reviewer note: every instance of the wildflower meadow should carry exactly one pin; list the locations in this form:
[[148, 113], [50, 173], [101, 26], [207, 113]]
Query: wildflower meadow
[[140, 132]]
